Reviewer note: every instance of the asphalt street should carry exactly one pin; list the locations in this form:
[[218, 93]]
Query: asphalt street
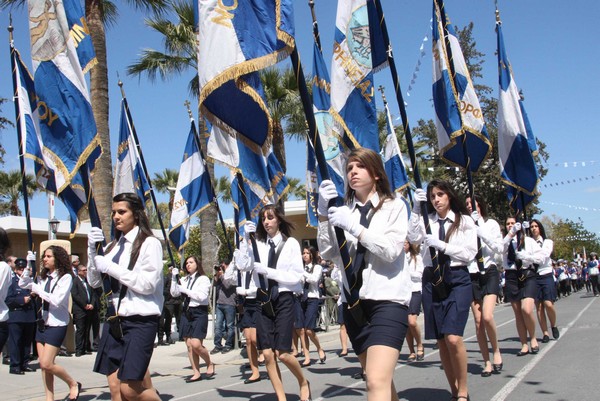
[[564, 369]]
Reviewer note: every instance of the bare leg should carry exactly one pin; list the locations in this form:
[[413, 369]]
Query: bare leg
[[520, 323], [489, 303], [455, 361], [274, 373], [135, 390], [294, 367], [410, 340], [380, 372], [304, 342], [313, 337], [250, 335], [415, 332], [51, 369], [194, 361], [481, 337], [344, 338], [202, 352], [527, 307], [551, 311], [114, 385]]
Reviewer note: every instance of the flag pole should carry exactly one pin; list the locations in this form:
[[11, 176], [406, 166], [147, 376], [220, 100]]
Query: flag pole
[[22, 145], [316, 35], [246, 206], [212, 187], [409, 142], [152, 194]]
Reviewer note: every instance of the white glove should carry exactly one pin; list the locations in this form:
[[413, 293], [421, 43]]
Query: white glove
[[242, 260], [241, 291], [30, 257], [342, 217], [327, 192], [475, 215], [95, 235], [25, 281], [249, 227], [433, 241], [525, 256], [183, 290], [26, 273], [260, 268], [525, 225], [515, 229], [175, 272], [420, 196], [306, 275], [102, 263]]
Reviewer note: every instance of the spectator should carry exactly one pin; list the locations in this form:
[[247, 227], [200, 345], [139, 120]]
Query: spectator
[[224, 286]]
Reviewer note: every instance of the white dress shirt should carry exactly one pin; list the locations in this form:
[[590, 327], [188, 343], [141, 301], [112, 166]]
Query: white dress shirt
[[313, 279], [57, 298], [384, 276], [415, 266], [541, 256], [144, 282], [529, 248], [492, 245], [461, 246], [289, 271], [5, 281], [199, 289]]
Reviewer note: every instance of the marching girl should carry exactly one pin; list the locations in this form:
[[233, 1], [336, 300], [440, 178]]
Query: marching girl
[[282, 274], [54, 289], [336, 275], [134, 263], [249, 284], [386, 287], [521, 288], [486, 287], [195, 287], [545, 279], [455, 238], [309, 305], [414, 264]]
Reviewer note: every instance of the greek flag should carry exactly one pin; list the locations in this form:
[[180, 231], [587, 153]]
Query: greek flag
[[331, 142], [516, 143], [80, 34], [66, 120], [255, 195], [312, 186], [129, 173], [193, 194], [392, 158], [358, 51], [236, 40], [457, 112]]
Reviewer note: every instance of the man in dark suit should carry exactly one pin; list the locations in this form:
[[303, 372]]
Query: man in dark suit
[[21, 322], [85, 305]]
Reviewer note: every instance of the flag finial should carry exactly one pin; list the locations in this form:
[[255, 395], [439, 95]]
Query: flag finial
[[187, 105]]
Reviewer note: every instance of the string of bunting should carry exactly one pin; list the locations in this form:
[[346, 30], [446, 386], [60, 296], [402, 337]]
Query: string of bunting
[[419, 62], [587, 209], [569, 181], [588, 163]]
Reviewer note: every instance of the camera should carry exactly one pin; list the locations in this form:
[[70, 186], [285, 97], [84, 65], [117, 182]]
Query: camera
[[217, 268]]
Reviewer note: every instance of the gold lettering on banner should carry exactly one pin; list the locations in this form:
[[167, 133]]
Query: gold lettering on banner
[[79, 32], [179, 204], [353, 72], [224, 16], [46, 114], [469, 108]]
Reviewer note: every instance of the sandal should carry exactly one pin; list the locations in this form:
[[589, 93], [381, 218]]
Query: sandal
[[420, 354], [411, 358]]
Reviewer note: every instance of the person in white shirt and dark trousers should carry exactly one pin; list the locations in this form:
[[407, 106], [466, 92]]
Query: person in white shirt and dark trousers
[[454, 237], [54, 288], [85, 305], [414, 264], [281, 269], [5, 281], [133, 262], [378, 284], [195, 287]]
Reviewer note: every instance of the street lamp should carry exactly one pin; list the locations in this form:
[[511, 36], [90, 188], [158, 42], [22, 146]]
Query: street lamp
[[53, 225]]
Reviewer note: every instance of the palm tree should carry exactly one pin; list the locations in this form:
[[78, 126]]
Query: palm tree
[[295, 190], [166, 182], [11, 186]]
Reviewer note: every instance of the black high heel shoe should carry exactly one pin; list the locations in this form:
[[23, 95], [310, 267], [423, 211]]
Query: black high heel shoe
[[322, 360], [497, 367]]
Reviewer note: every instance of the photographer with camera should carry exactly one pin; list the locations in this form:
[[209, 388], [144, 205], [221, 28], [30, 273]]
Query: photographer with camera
[[224, 287]]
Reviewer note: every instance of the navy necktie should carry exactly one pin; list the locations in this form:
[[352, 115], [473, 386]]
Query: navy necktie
[[443, 260], [46, 304], [114, 283], [512, 255], [273, 285], [354, 276]]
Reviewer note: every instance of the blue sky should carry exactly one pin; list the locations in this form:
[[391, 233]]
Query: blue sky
[[550, 44]]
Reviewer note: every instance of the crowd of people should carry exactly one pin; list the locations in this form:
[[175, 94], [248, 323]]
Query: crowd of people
[[446, 263]]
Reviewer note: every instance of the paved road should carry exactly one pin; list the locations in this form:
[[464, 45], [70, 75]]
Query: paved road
[[566, 369]]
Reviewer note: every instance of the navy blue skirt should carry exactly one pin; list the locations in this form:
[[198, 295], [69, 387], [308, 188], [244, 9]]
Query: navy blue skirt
[[512, 292], [528, 288], [388, 322], [448, 316], [340, 315], [194, 322], [250, 315], [52, 335], [275, 333], [298, 312], [546, 288], [310, 313], [414, 308]]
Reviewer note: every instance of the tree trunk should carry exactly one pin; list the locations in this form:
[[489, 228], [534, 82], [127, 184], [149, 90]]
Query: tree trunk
[[278, 145], [208, 218], [102, 179]]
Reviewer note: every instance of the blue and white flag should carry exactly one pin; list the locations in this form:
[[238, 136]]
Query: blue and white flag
[[129, 173], [335, 154], [516, 143], [75, 195], [235, 41], [312, 186], [255, 195], [392, 157], [193, 194], [458, 115], [358, 51], [67, 123], [80, 34]]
